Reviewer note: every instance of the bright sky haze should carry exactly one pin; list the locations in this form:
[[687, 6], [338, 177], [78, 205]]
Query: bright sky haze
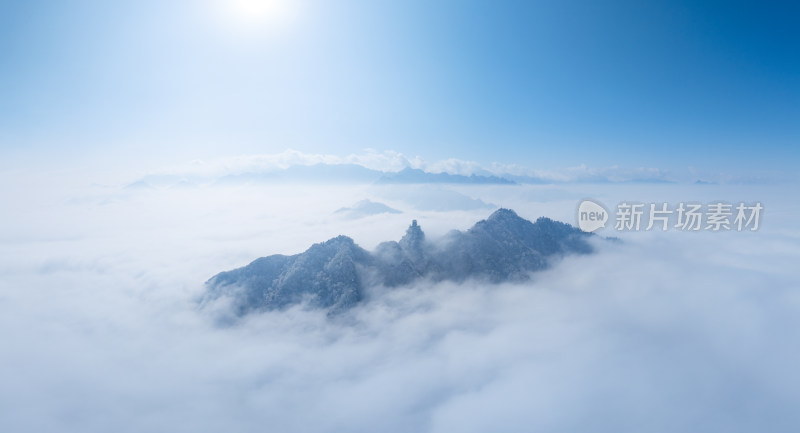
[[704, 84]]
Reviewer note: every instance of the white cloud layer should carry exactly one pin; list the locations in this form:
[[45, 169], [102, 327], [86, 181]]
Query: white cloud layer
[[665, 332], [391, 161]]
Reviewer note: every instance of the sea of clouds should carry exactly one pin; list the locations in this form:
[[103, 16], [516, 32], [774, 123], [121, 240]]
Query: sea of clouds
[[100, 328]]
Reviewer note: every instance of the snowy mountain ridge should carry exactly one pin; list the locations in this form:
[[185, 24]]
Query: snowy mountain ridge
[[334, 274]]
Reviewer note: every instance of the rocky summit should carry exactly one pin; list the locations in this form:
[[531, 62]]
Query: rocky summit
[[333, 274]]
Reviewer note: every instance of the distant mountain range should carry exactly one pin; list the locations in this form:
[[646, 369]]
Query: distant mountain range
[[351, 173], [327, 173], [333, 275], [414, 175]]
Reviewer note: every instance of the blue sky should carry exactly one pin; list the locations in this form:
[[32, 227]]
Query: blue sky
[[711, 85]]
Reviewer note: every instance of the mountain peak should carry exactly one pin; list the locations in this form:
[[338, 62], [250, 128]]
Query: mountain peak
[[503, 218], [503, 214], [413, 238], [340, 241], [335, 274]]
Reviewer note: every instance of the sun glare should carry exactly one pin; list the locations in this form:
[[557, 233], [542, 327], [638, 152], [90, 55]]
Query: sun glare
[[259, 15]]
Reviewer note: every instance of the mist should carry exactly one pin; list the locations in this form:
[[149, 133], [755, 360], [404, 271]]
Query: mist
[[101, 328]]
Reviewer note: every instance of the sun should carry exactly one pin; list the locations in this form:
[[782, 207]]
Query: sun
[[259, 15]]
